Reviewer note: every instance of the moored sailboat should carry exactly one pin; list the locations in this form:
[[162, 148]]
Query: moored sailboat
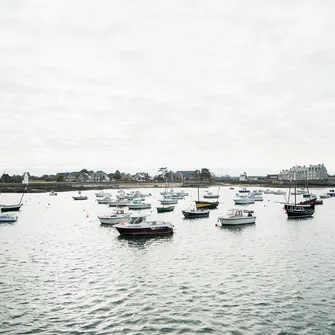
[[294, 210], [206, 204], [16, 207]]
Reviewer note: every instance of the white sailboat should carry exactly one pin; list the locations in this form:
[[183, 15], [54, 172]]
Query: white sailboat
[[16, 207]]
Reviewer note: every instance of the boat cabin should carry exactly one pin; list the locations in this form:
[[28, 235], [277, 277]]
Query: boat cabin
[[136, 220]]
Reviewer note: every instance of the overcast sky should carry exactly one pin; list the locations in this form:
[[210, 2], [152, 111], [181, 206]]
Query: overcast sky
[[136, 85]]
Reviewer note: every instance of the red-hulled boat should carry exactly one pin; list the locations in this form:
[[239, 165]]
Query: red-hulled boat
[[312, 201]]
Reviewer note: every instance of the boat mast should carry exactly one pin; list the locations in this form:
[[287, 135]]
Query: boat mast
[[309, 195], [295, 190], [198, 185], [3, 179], [24, 181], [289, 191]]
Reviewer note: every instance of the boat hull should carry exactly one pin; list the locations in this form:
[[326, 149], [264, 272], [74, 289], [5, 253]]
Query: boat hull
[[237, 221], [196, 214], [165, 209], [148, 231], [299, 211], [169, 202], [136, 207], [243, 201], [113, 220], [206, 204], [325, 196], [10, 208], [117, 204], [7, 218], [80, 198]]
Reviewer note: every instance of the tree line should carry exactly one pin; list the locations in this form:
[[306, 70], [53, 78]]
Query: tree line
[[164, 175]]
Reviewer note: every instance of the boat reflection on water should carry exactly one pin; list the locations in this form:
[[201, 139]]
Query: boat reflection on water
[[142, 242], [237, 229], [307, 218]]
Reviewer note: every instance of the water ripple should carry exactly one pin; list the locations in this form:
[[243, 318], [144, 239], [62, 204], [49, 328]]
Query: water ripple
[[62, 273]]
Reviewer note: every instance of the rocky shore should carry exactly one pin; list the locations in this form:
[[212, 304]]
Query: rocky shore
[[42, 187]]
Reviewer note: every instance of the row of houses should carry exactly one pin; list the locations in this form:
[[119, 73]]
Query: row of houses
[[102, 177], [297, 172]]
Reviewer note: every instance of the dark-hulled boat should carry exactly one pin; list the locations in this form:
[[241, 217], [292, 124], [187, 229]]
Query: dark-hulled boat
[[16, 207], [80, 197], [164, 209], [296, 210], [299, 211], [140, 226], [196, 213], [10, 208], [206, 204]]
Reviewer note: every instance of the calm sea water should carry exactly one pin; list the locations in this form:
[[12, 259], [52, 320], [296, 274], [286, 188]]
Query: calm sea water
[[63, 273]]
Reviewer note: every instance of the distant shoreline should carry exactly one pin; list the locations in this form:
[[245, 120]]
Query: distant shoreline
[[44, 187]]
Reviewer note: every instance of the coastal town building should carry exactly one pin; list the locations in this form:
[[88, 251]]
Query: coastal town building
[[312, 172], [187, 175], [243, 177], [272, 177], [101, 177]]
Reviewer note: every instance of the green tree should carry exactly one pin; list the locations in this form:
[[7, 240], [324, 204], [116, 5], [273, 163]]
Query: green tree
[[205, 174], [197, 174], [6, 178], [117, 175], [163, 172]]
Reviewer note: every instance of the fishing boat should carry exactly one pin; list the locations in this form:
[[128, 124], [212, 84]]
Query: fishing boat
[[80, 196], [138, 204], [210, 195], [169, 200], [236, 217], [195, 213], [102, 194], [118, 203], [256, 197], [279, 192], [181, 194], [8, 218], [103, 200], [325, 196], [243, 200], [140, 226], [243, 190], [268, 191], [257, 192], [53, 193], [314, 201], [164, 209], [118, 216]]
